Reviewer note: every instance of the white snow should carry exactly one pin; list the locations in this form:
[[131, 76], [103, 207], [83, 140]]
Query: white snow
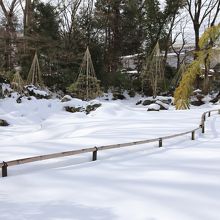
[[166, 106], [6, 87], [179, 181], [37, 91], [197, 91], [154, 106]]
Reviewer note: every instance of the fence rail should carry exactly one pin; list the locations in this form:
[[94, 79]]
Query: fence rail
[[5, 164]]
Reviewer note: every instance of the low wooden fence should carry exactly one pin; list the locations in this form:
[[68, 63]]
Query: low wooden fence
[[94, 150]]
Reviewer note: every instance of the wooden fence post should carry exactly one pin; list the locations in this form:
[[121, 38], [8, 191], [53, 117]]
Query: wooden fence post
[[204, 117], [4, 169], [160, 142], [193, 135], [94, 154], [209, 114], [203, 127]]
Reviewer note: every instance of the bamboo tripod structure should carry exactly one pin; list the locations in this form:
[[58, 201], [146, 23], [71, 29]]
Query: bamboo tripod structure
[[35, 76], [87, 72], [17, 82]]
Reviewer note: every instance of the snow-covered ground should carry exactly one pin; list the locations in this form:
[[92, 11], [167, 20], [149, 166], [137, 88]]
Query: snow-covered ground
[[179, 181]]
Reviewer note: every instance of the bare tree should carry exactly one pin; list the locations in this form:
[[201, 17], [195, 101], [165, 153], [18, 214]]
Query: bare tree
[[26, 6], [9, 14], [199, 11], [180, 36], [68, 13]]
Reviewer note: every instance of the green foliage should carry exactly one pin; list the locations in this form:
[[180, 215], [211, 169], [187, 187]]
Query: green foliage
[[154, 24], [132, 25], [78, 89], [46, 22], [120, 80], [7, 75]]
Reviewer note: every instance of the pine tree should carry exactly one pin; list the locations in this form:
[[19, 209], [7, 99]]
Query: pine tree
[[132, 27], [154, 24], [109, 20]]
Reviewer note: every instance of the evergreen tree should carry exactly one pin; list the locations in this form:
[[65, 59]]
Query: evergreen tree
[[42, 34], [46, 22], [154, 24], [108, 19], [132, 27]]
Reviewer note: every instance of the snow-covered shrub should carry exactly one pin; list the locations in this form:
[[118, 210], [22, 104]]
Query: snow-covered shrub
[[37, 92], [85, 88]]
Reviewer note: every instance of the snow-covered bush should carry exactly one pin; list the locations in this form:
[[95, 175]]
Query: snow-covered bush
[[80, 89]]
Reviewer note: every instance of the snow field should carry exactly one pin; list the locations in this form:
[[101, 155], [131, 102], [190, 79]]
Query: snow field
[[179, 181]]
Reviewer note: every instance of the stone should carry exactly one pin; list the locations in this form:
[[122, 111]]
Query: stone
[[3, 123], [73, 109], [19, 99], [216, 99], [66, 98], [197, 103], [132, 93], [148, 102], [153, 107], [90, 108], [163, 106], [117, 96], [200, 97], [139, 102], [37, 93]]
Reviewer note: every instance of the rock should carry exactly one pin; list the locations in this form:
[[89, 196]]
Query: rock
[[90, 108], [153, 107], [216, 99], [117, 96], [197, 103], [66, 98], [3, 123], [132, 93], [200, 97], [163, 106], [139, 102], [18, 100], [167, 101], [37, 93], [73, 109], [148, 102]]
